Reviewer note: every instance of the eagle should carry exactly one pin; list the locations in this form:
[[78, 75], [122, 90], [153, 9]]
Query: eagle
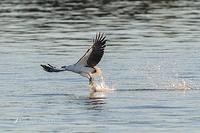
[[86, 65]]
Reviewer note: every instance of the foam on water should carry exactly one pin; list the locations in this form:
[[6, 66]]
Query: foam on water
[[102, 87]]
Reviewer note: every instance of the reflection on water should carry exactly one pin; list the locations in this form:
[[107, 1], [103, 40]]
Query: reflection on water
[[152, 49], [95, 103]]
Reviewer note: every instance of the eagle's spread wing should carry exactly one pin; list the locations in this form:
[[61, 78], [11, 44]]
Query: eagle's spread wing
[[93, 56], [51, 68]]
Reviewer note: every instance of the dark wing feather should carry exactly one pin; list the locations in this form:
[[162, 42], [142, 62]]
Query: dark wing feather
[[51, 68], [93, 55], [97, 50]]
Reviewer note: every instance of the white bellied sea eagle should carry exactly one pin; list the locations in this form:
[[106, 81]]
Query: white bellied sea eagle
[[86, 66]]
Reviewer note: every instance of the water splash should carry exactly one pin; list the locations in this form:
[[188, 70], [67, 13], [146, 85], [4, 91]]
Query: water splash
[[183, 86], [161, 74], [102, 87]]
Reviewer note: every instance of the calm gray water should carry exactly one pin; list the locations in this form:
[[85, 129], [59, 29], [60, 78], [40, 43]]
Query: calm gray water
[[153, 48]]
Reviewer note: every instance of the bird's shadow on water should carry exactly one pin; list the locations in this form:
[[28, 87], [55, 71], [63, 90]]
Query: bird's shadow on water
[[52, 94], [100, 95]]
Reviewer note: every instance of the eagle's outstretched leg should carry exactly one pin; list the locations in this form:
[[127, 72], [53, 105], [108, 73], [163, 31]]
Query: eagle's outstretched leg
[[91, 81], [92, 84]]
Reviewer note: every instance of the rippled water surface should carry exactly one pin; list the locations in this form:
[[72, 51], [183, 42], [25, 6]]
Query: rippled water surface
[[152, 49]]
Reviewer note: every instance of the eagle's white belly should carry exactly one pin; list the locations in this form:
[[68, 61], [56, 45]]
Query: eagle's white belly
[[79, 69]]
